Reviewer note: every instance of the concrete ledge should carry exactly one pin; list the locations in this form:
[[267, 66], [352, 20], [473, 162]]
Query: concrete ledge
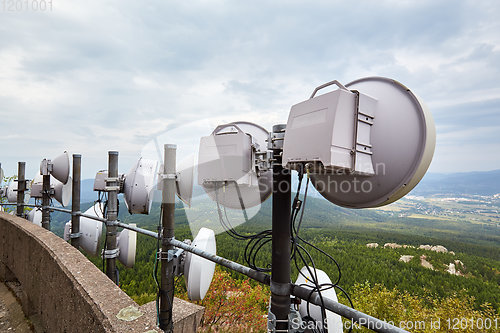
[[64, 292], [187, 316]]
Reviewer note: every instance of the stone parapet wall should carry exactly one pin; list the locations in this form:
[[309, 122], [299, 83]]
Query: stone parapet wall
[[62, 291]]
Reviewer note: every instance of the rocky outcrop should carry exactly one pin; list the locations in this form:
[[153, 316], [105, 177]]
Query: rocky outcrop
[[435, 248], [425, 263], [392, 246], [406, 258]]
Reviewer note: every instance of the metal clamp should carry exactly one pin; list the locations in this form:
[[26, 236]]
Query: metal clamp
[[177, 257], [281, 289], [167, 176], [75, 235], [272, 321], [160, 255], [174, 254], [110, 254], [112, 179], [110, 223], [112, 184], [275, 140], [77, 213], [112, 188], [294, 322], [46, 167]]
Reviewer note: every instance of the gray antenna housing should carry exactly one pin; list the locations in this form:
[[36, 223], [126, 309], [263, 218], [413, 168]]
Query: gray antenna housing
[[395, 135], [228, 165]]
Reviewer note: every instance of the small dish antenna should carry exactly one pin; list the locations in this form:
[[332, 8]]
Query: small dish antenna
[[333, 321], [35, 217], [184, 179], [61, 192], [198, 272], [90, 229], [11, 192], [59, 167], [126, 242], [366, 144], [138, 186], [232, 167]]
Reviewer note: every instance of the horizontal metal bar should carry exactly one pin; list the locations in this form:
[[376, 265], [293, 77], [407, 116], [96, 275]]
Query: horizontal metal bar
[[251, 273], [116, 223], [136, 229], [69, 211]]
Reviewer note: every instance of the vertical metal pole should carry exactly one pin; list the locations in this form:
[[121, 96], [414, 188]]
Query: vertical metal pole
[[112, 214], [46, 202], [167, 218], [21, 187], [75, 201], [281, 244]]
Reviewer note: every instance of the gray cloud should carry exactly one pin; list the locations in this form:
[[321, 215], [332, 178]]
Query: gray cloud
[[95, 76]]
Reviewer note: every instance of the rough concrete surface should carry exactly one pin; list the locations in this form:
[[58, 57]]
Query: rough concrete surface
[[61, 290], [12, 318], [187, 316]]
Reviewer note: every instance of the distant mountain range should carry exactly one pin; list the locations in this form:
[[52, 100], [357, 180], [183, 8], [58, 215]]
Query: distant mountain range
[[468, 183], [478, 183]]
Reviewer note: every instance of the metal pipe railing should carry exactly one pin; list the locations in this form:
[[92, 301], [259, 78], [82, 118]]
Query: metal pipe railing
[[251, 273], [96, 218]]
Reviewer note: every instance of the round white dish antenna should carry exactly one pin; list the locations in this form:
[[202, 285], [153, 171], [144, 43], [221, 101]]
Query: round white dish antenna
[[198, 272], [375, 157], [67, 231], [62, 192], [138, 186], [61, 167], [12, 191], [90, 229], [184, 181], [333, 321], [126, 242], [228, 165], [35, 217]]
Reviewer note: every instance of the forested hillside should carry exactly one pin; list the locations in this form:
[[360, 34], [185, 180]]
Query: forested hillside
[[369, 275]]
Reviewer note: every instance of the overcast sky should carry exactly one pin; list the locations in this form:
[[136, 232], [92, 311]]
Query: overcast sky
[[92, 76]]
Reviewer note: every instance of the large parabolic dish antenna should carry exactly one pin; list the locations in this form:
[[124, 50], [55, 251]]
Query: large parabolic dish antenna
[[394, 139]]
